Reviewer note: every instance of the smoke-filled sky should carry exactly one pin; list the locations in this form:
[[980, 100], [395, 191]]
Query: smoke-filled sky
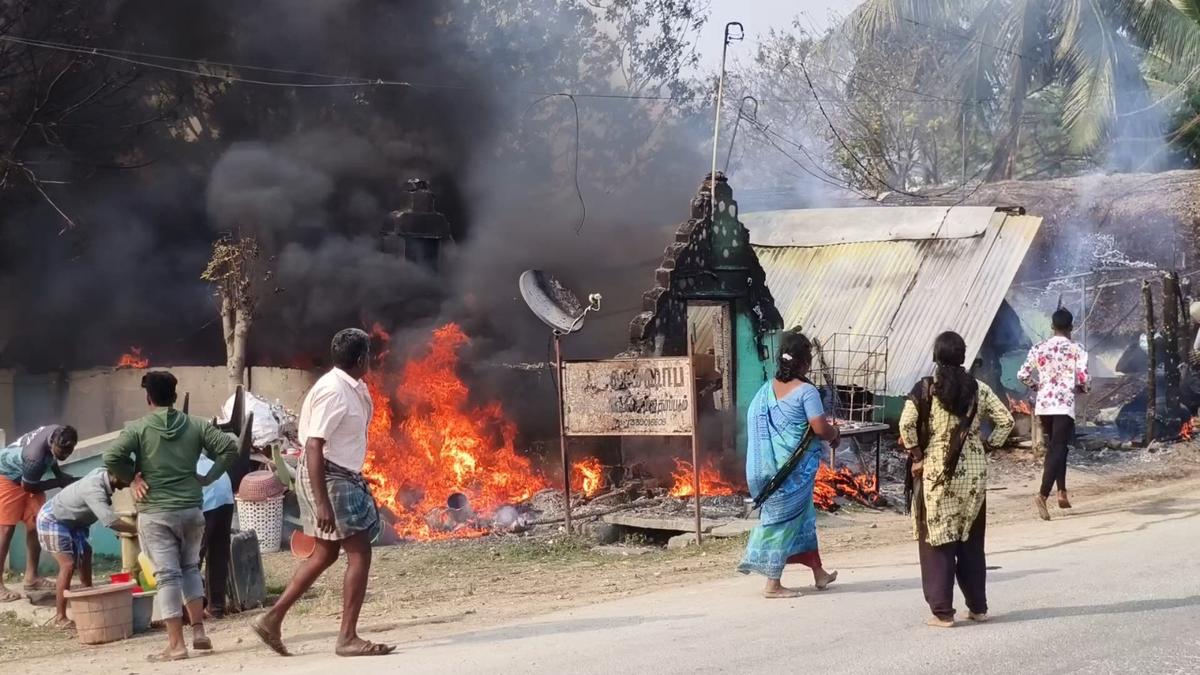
[[151, 165], [312, 173]]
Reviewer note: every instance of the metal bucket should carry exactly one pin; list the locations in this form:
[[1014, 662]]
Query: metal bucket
[[459, 507]]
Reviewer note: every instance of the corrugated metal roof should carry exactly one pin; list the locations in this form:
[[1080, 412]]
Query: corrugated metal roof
[[823, 227], [908, 290]]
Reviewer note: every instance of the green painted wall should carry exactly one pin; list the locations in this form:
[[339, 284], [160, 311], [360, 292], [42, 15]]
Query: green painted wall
[[750, 372], [893, 407]]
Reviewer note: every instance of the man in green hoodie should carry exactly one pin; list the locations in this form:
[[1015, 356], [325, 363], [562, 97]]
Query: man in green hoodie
[[160, 451]]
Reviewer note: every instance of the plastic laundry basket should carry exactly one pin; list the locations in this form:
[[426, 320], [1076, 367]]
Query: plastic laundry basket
[[266, 519]]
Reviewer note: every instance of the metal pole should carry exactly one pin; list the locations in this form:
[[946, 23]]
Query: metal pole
[[878, 441], [562, 432], [964, 145], [695, 433], [717, 121]]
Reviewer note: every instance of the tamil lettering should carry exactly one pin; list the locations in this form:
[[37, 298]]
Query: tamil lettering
[[628, 397]]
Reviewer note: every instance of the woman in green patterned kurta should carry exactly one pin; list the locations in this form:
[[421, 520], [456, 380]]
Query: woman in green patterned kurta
[[949, 512]]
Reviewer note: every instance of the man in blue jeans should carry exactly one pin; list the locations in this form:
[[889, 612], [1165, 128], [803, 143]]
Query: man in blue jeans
[[158, 455]]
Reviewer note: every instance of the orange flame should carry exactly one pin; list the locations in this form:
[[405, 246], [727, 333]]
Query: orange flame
[[832, 484], [438, 443], [1187, 429], [711, 483], [133, 359], [587, 476], [1019, 406]]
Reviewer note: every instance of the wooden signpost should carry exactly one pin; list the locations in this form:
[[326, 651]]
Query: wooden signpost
[[630, 397]]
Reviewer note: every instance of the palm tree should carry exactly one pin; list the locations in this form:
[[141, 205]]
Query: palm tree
[[1098, 52]]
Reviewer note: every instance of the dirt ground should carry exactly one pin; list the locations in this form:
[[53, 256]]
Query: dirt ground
[[428, 589]]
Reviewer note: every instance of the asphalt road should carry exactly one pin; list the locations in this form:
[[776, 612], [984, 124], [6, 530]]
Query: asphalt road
[[1110, 591]]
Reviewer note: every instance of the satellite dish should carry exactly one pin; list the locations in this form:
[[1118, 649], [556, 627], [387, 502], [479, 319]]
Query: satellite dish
[[552, 302]]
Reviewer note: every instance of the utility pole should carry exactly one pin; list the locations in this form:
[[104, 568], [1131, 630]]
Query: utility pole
[[731, 35]]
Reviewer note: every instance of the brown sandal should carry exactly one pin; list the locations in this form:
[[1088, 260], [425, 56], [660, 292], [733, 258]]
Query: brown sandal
[[366, 648], [42, 584], [271, 640], [1039, 503]]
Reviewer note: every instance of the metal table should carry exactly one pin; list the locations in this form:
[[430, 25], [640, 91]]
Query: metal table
[[853, 429]]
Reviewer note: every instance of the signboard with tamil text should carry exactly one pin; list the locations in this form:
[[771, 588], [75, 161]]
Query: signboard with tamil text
[[628, 397]]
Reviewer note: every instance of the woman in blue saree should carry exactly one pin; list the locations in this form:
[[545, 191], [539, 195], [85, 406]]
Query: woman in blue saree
[[777, 420]]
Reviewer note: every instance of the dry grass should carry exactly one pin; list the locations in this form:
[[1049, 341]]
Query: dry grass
[[502, 574]]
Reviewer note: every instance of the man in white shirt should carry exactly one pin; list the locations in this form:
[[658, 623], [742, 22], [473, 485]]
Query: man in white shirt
[[336, 506], [1056, 369]]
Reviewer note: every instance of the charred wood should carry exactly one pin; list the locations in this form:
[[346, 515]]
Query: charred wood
[[579, 515], [1152, 363], [1171, 358]]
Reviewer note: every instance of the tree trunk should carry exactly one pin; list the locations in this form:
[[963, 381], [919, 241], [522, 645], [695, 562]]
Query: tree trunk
[[235, 357], [1187, 330], [1004, 161], [1152, 364], [227, 323]]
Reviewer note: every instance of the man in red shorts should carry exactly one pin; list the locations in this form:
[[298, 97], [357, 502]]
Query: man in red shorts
[[23, 484]]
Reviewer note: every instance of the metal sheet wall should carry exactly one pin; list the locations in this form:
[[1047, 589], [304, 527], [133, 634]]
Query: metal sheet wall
[[908, 291]]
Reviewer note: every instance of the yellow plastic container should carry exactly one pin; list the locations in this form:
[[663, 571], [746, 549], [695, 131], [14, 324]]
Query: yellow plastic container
[[146, 576]]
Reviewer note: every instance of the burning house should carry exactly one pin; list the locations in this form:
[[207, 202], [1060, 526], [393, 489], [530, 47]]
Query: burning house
[[1099, 238], [895, 276], [1103, 238]]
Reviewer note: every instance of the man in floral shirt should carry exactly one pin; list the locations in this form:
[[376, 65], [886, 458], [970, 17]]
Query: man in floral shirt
[[1057, 370]]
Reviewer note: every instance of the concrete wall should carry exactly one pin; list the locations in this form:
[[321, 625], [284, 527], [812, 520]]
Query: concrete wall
[[101, 400], [286, 385]]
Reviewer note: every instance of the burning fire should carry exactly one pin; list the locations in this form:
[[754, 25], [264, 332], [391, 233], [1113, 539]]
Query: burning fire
[[133, 359], [587, 477], [1019, 406], [711, 483], [438, 443], [832, 484], [1187, 429]]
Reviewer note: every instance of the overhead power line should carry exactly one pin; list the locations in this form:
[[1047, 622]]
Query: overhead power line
[[198, 67], [337, 81], [853, 155]]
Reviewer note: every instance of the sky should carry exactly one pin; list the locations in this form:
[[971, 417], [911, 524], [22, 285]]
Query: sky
[[759, 17]]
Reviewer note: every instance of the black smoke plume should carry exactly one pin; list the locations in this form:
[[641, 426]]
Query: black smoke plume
[[121, 175]]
